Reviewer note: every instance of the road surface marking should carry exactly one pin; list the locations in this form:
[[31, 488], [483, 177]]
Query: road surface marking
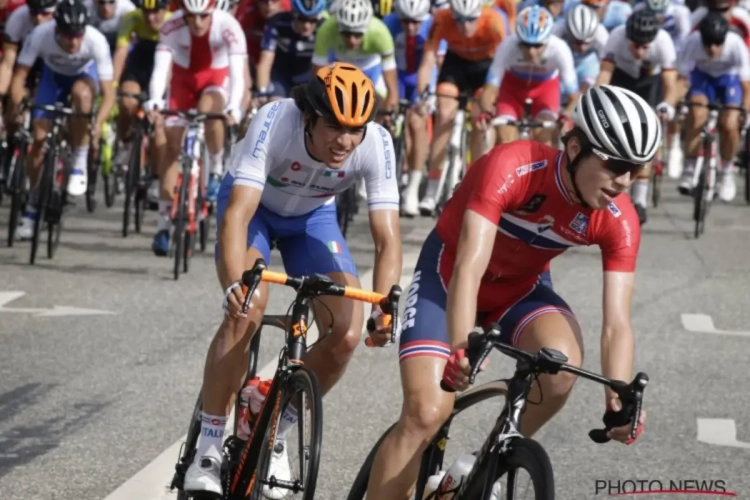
[[702, 323], [720, 432], [8, 297], [152, 482]]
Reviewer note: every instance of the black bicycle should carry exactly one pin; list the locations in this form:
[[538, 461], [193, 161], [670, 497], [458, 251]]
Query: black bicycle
[[249, 461], [506, 451], [139, 173], [14, 163], [54, 179]]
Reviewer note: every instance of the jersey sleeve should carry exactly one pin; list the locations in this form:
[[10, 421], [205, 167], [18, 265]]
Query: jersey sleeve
[[500, 62], [620, 241], [434, 37], [324, 41], [380, 171], [249, 161], [127, 25], [568, 75], [686, 63], [31, 48], [383, 44], [668, 54], [270, 37], [234, 38], [14, 25], [743, 70]]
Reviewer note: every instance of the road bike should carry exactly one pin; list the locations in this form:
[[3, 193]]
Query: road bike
[[248, 462], [14, 163], [138, 176], [189, 206], [526, 123], [660, 164], [53, 181], [506, 451]]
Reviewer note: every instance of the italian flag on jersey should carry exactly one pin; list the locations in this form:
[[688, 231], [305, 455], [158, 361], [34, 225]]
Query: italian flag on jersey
[[334, 247]]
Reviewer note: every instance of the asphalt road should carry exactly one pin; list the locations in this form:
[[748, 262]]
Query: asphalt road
[[88, 400]]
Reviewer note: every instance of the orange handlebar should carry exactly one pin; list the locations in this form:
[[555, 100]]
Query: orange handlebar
[[274, 277], [363, 295]]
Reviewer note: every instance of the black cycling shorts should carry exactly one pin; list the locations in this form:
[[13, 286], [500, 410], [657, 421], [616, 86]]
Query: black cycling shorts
[[647, 87], [468, 76], [140, 64]]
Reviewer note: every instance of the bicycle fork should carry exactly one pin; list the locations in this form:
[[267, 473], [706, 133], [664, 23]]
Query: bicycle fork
[[708, 145], [453, 157]]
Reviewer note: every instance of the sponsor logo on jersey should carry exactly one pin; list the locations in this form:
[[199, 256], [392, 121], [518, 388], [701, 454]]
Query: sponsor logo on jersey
[[531, 167], [580, 224], [410, 312], [614, 210], [533, 205], [388, 154], [334, 173], [263, 135], [545, 223]]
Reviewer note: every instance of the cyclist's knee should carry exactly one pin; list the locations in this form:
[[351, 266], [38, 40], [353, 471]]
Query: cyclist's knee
[[211, 102], [425, 407], [729, 124], [82, 95]]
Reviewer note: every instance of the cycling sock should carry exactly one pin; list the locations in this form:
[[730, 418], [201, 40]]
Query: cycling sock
[[432, 187], [728, 165], [676, 143], [640, 192], [415, 179], [164, 221], [80, 158], [216, 162], [288, 421], [689, 165], [212, 437]]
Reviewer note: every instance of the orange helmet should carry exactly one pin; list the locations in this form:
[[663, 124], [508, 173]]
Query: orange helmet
[[343, 93]]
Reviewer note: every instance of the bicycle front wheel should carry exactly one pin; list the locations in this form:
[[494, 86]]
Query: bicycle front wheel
[[529, 457], [180, 222], [301, 444]]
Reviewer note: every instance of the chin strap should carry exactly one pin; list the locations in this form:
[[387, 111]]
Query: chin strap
[[571, 167]]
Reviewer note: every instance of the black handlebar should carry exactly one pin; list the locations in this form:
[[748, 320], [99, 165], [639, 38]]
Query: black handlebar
[[193, 115], [551, 361]]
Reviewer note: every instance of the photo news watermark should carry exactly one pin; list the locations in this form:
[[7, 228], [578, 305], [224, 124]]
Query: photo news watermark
[[646, 487]]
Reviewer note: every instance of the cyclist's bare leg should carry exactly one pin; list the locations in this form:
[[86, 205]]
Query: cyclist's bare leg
[[477, 138], [170, 168], [82, 98], [696, 118], [214, 102], [158, 148], [417, 149], [729, 135], [443, 126], [41, 127], [555, 331], [425, 408]]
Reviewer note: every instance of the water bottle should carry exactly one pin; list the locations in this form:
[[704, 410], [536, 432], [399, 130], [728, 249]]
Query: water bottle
[[455, 476], [251, 401], [432, 484]]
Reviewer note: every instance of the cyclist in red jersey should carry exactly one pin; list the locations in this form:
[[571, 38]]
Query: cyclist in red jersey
[[519, 206], [253, 16]]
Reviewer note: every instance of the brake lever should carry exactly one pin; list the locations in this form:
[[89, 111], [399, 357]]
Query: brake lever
[[251, 280], [478, 352], [638, 386], [631, 396]]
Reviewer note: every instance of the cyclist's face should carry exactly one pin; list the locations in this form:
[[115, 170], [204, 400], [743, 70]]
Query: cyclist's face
[[198, 24], [333, 144], [555, 7], [467, 26], [106, 8], [411, 26], [639, 50], [598, 185], [154, 18], [352, 41], [70, 44], [305, 26], [532, 53], [713, 51]]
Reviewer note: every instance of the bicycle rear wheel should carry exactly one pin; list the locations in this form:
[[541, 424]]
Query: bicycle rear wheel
[[92, 171], [528, 455], [302, 390], [178, 235], [17, 190], [132, 177], [45, 194]]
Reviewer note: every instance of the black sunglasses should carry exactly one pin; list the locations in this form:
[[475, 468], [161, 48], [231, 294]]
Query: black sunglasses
[[352, 34], [465, 19], [306, 20], [532, 45], [617, 166], [410, 21]]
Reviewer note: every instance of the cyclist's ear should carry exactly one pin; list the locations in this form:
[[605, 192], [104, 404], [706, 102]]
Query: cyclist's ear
[[575, 142]]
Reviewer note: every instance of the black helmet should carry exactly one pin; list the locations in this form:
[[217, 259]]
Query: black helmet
[[642, 26], [40, 5], [152, 4], [718, 5], [714, 28], [72, 17]]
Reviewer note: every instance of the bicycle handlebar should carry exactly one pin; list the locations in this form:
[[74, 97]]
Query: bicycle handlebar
[[59, 109], [193, 115], [317, 285], [551, 361], [548, 124]]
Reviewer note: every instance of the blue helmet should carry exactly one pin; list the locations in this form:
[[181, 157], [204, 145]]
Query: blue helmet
[[534, 25], [309, 8]]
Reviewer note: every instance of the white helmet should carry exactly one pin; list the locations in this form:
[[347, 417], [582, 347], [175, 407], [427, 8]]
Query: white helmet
[[659, 6], [222, 5], [619, 124], [582, 23], [354, 15], [198, 6], [417, 10], [466, 8]]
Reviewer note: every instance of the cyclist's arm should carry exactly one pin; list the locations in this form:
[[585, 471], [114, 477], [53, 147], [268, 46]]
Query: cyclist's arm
[[18, 84], [122, 44], [386, 48], [668, 63], [263, 70], [104, 69], [605, 72], [10, 51], [386, 235], [617, 342], [162, 65], [495, 77], [568, 79], [121, 56], [424, 73]]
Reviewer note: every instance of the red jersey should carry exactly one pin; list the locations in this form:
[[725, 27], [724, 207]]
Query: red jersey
[[254, 24], [519, 186]]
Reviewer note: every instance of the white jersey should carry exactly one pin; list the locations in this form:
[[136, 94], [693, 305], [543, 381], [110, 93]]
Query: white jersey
[[675, 21], [42, 43], [19, 25], [734, 58], [660, 56], [740, 20], [272, 156], [109, 27], [598, 42], [557, 60], [225, 46]]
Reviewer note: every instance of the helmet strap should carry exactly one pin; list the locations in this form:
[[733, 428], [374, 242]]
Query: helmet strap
[[571, 167]]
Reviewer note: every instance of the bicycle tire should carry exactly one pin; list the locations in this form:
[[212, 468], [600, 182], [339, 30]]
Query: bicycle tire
[[656, 178], [179, 223], [432, 454], [204, 227], [109, 189], [307, 381], [700, 205], [530, 455], [45, 193], [17, 194], [746, 158], [132, 178], [92, 172]]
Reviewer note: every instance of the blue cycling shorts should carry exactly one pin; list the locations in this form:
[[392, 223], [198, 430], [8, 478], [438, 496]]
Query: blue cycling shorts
[[725, 89], [310, 243], [54, 87], [425, 327], [407, 86]]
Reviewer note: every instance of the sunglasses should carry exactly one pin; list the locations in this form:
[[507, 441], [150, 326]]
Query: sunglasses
[[410, 21], [617, 166], [465, 19], [351, 34], [41, 12], [198, 16], [721, 9], [306, 20], [532, 45], [107, 2]]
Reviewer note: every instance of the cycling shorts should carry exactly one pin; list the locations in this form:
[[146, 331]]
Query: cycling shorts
[[725, 89], [187, 86], [407, 86], [282, 82], [468, 76], [587, 68], [512, 304], [514, 91], [55, 87], [310, 243], [140, 64], [647, 87]]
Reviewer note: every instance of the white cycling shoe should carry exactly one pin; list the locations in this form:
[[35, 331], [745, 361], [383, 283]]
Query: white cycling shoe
[[278, 468], [203, 479]]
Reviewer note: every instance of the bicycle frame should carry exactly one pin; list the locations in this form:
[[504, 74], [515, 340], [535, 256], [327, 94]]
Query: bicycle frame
[[708, 148], [454, 165]]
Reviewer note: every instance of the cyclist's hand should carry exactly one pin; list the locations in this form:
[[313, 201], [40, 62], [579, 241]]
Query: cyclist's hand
[[95, 131], [457, 370], [381, 336], [665, 109], [622, 434], [229, 120], [234, 296], [482, 121]]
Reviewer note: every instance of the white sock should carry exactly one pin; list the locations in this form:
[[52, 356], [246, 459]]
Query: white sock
[[288, 421], [164, 221], [80, 158], [432, 187], [676, 143], [216, 162], [728, 166], [415, 179], [640, 192], [211, 440]]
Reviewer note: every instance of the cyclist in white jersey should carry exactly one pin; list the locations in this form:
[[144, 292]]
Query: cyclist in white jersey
[[106, 16], [641, 57], [532, 63], [281, 184], [76, 65], [717, 63]]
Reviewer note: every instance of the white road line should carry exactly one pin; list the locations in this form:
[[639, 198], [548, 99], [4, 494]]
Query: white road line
[[703, 323], [152, 482], [720, 432]]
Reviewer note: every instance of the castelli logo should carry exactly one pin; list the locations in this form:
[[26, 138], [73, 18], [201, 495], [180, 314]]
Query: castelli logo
[[603, 118]]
